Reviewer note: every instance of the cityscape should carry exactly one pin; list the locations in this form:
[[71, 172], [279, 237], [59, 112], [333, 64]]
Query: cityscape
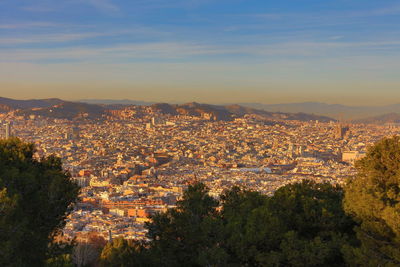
[[136, 161], [199, 133]]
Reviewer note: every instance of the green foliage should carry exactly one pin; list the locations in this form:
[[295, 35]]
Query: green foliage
[[87, 251], [301, 225], [188, 235], [122, 253], [62, 260], [58, 253], [240, 238], [373, 198], [35, 198]]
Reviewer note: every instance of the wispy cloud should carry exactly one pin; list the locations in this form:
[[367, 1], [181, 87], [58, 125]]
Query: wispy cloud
[[268, 16], [330, 49], [103, 5], [48, 38], [384, 11], [106, 6], [116, 53], [160, 51], [336, 37], [27, 25], [63, 36], [39, 9], [322, 19]]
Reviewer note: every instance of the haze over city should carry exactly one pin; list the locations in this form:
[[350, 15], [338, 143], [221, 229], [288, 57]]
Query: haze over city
[[191, 133], [208, 51]]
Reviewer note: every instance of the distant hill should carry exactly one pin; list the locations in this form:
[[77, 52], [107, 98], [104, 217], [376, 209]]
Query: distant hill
[[165, 108], [229, 112], [331, 110], [57, 108], [194, 109], [67, 110], [52, 108], [382, 119], [292, 111], [7, 104], [116, 102], [242, 110]]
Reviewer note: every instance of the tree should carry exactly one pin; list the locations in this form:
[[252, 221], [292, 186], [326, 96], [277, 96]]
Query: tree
[[87, 251], [238, 205], [35, 198], [62, 260], [59, 252], [122, 253], [84, 254], [373, 198], [300, 225], [317, 228], [189, 234]]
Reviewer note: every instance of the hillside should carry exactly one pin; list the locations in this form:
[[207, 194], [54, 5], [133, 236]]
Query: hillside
[[164, 108], [52, 108], [331, 110], [57, 108], [382, 119], [116, 102], [67, 110], [194, 109], [230, 112], [7, 104]]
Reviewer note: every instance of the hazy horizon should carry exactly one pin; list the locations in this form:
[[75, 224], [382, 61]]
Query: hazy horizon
[[214, 102], [344, 52]]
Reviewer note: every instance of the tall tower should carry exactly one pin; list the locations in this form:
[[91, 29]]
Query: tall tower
[[341, 131], [7, 130], [75, 133]]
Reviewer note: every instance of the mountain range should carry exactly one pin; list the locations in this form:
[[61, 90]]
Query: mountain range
[[116, 102], [57, 108], [386, 118], [305, 111], [229, 112], [11, 104], [337, 111], [53, 107]]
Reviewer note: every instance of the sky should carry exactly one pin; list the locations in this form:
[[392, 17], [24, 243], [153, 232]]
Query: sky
[[210, 51]]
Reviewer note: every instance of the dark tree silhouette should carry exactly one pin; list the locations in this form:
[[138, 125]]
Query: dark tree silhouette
[[35, 198], [373, 198]]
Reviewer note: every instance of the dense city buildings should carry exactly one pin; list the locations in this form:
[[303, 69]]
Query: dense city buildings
[[136, 162]]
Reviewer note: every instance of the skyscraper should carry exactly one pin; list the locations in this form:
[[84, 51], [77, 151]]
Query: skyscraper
[[7, 130], [341, 131], [75, 133]]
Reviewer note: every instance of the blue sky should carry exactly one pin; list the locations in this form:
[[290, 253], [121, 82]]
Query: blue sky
[[337, 51]]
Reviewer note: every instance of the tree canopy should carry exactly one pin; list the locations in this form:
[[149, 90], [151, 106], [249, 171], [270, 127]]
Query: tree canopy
[[188, 235], [35, 198], [373, 198], [122, 253], [301, 225]]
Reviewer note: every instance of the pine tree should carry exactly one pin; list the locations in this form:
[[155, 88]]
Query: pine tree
[[373, 198], [35, 198]]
